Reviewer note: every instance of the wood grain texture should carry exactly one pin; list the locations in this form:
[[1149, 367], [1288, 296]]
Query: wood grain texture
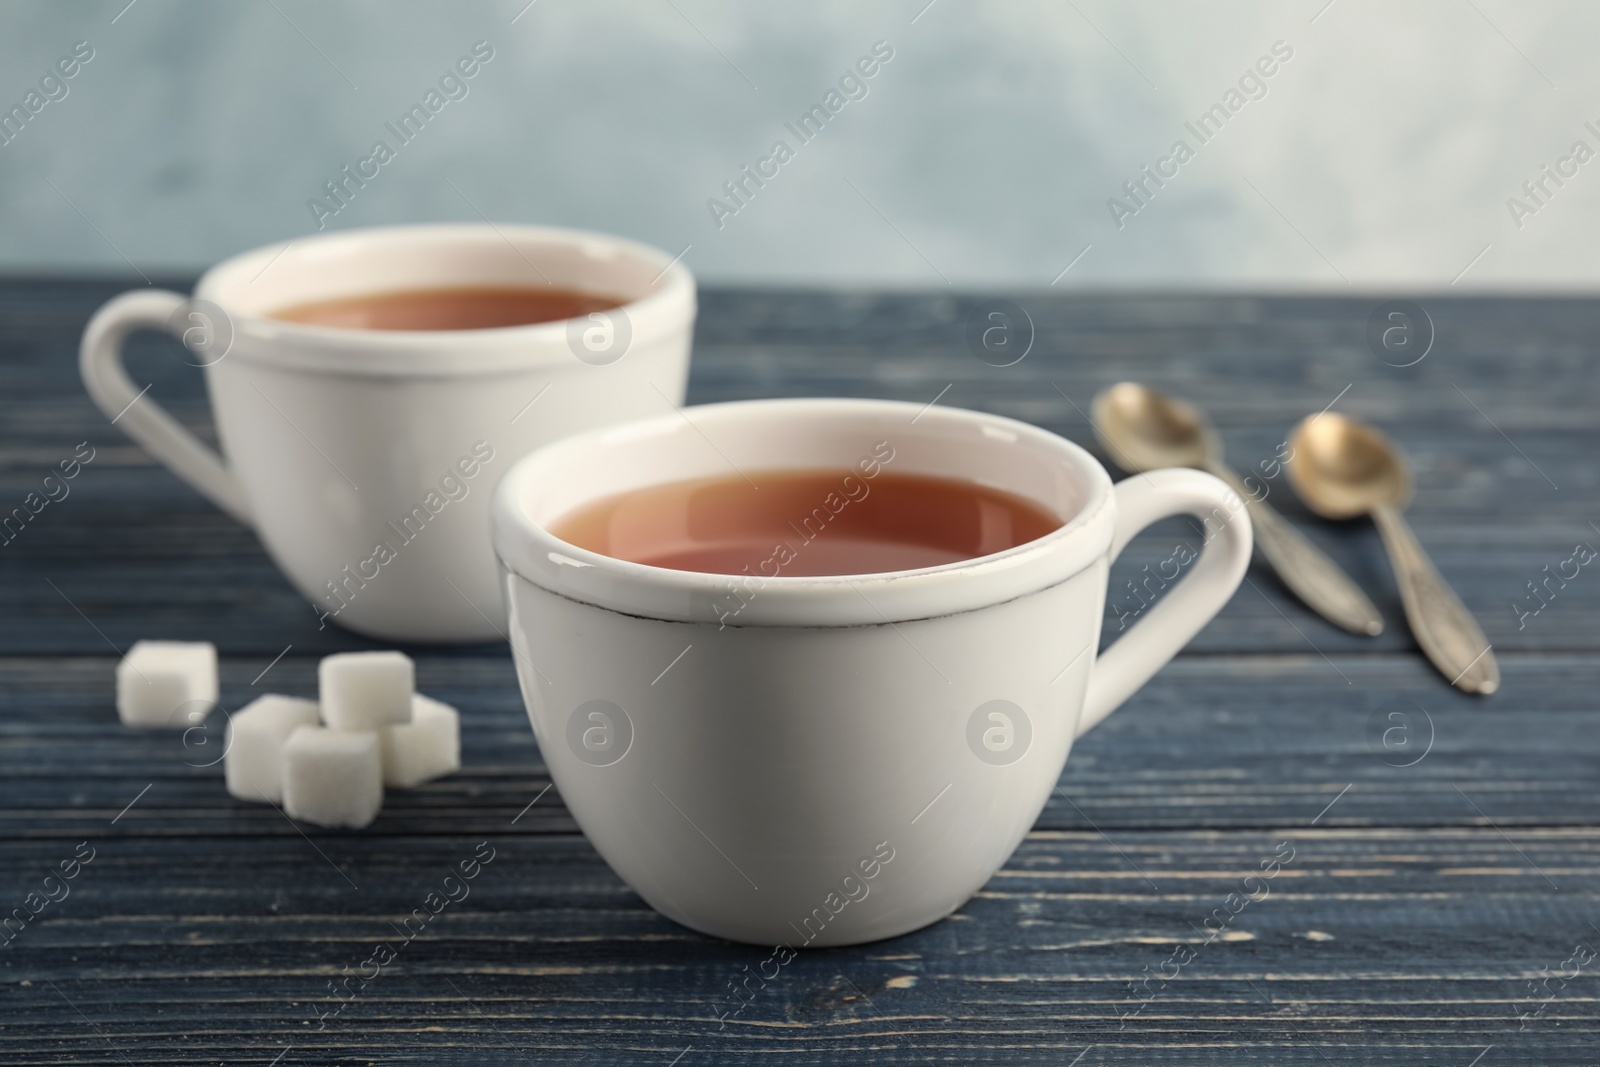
[[1212, 742], [1392, 947], [1459, 860]]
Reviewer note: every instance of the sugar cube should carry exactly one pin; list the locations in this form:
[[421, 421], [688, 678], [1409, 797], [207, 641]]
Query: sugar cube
[[167, 683], [253, 764], [332, 777], [366, 690], [427, 747]]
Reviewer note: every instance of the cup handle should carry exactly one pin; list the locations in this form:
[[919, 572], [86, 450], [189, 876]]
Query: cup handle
[[1141, 500], [142, 419]]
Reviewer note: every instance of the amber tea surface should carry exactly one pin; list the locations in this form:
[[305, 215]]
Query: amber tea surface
[[466, 308], [806, 523]]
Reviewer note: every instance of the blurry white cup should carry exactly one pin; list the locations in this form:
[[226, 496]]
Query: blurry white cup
[[365, 459]]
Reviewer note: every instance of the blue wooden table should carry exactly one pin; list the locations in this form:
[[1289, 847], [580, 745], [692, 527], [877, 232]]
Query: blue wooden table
[[1436, 857]]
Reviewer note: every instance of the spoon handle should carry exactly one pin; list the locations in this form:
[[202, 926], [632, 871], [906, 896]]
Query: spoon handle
[[1443, 626], [1305, 568]]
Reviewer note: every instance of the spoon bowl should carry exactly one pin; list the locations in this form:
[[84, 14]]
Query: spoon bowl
[[1342, 469], [1146, 430]]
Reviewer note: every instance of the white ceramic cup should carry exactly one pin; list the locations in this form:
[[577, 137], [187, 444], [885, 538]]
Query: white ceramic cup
[[365, 459], [830, 760]]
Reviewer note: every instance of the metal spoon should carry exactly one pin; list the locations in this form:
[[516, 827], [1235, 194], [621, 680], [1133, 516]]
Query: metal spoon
[[1146, 430], [1342, 469]]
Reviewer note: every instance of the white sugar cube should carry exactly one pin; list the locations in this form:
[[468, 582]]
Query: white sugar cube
[[167, 683], [427, 747], [256, 736], [366, 690], [332, 777]]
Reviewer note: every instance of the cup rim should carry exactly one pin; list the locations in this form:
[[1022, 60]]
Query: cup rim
[[665, 308], [529, 551]]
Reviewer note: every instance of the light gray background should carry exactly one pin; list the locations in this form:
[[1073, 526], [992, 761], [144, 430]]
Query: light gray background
[[984, 154]]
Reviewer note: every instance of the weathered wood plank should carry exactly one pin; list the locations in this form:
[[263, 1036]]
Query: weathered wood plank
[[1212, 742], [1392, 947]]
